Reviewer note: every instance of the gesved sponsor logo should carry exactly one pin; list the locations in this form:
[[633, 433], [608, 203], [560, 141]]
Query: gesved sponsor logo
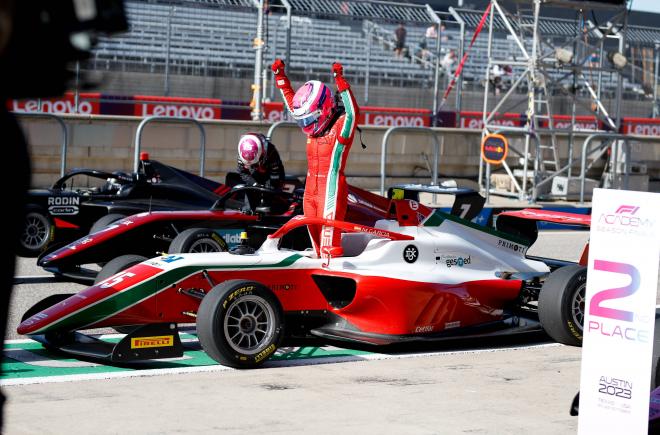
[[452, 261]]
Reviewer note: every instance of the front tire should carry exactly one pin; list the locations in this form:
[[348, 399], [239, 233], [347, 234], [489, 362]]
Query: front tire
[[240, 323], [113, 267], [562, 304], [37, 232], [197, 240], [104, 221]]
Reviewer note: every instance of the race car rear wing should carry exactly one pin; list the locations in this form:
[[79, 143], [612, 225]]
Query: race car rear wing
[[523, 223], [468, 203]]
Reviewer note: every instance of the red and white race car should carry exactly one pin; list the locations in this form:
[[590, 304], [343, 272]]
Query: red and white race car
[[421, 274]]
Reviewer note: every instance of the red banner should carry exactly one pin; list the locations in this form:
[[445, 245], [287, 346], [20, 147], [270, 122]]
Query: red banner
[[583, 123], [197, 108], [474, 120], [369, 115], [88, 104], [641, 126], [210, 108]]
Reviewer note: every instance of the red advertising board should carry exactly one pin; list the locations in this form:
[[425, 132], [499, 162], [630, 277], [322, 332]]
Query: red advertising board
[[197, 108], [641, 126], [88, 104], [563, 122], [474, 120], [369, 115], [211, 108]]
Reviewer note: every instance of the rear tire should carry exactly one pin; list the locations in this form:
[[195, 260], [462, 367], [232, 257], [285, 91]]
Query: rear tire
[[104, 221], [240, 323], [197, 240], [562, 304], [37, 232]]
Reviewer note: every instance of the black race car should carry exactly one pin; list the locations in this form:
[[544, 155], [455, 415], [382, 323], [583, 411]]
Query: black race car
[[254, 210], [86, 198]]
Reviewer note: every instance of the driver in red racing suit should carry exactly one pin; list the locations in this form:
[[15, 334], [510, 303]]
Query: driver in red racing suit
[[329, 138]]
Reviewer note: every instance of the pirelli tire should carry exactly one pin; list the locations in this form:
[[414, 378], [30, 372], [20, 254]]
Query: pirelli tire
[[38, 230], [562, 304], [240, 324], [197, 240]]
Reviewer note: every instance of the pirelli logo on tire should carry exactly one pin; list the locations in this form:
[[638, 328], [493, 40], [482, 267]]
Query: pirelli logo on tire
[[147, 342]]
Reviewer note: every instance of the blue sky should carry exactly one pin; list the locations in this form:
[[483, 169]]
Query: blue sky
[[646, 5]]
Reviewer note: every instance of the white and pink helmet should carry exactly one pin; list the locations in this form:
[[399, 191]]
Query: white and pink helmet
[[313, 107], [252, 149]]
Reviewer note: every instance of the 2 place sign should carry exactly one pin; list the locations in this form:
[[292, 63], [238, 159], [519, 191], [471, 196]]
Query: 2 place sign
[[619, 307], [494, 148]]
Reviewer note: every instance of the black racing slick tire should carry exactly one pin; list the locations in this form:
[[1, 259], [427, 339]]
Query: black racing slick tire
[[240, 323], [562, 304], [118, 264], [37, 232], [104, 221], [197, 240], [655, 362]]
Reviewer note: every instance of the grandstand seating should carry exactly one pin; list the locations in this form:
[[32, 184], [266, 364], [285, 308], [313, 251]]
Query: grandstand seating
[[207, 41]]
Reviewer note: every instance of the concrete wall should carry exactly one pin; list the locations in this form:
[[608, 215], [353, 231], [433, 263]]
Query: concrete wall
[[107, 143]]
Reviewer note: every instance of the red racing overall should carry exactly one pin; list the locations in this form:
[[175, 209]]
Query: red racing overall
[[326, 190]]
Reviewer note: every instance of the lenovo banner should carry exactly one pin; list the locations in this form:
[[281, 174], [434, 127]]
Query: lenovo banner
[[369, 115], [197, 108], [88, 104], [641, 126], [474, 120], [619, 305]]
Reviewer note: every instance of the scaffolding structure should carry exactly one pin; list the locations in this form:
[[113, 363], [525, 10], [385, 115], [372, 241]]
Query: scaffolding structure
[[551, 59]]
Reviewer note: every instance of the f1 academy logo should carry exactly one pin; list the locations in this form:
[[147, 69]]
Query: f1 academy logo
[[625, 220]]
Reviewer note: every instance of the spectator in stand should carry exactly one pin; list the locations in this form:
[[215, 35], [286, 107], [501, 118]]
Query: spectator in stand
[[448, 62], [423, 51], [400, 40], [431, 32], [444, 37], [496, 74]]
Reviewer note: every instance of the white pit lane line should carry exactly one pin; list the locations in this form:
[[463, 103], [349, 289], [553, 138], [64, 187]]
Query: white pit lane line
[[270, 364]]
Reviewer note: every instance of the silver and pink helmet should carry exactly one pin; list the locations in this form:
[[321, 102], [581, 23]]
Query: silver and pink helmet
[[313, 107], [252, 149]]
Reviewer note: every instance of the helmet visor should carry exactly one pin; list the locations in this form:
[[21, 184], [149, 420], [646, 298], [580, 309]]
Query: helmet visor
[[307, 120]]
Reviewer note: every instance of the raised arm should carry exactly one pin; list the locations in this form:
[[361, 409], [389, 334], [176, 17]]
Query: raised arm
[[283, 84], [351, 107]]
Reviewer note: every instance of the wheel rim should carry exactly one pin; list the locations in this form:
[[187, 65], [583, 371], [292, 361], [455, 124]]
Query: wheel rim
[[36, 231], [205, 245], [577, 306], [249, 325]]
